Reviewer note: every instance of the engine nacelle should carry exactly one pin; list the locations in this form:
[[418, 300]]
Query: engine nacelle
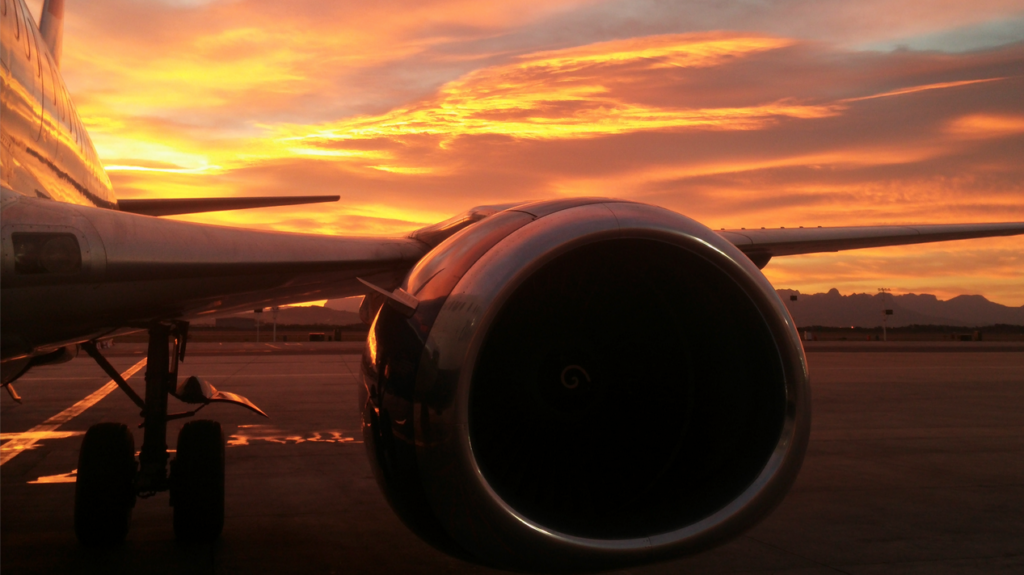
[[585, 384]]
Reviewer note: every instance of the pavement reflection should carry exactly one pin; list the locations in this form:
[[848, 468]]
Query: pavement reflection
[[271, 434]]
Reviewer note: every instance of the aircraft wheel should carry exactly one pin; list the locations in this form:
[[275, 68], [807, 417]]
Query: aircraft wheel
[[105, 487], [197, 482]]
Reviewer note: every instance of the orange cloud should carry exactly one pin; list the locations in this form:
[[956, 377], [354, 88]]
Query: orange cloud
[[915, 89], [416, 111], [572, 93], [986, 126]]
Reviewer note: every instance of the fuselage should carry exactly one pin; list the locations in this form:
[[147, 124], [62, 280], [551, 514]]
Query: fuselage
[[47, 152]]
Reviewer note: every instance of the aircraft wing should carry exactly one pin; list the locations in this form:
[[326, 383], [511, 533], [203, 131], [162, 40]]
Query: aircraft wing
[[118, 270], [72, 273], [763, 244]]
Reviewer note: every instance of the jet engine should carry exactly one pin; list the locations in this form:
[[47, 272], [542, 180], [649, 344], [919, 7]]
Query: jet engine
[[584, 384]]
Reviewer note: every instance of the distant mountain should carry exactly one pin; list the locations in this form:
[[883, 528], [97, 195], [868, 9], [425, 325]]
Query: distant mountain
[[833, 309]]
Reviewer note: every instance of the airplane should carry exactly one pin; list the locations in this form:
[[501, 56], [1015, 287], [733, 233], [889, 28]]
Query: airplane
[[502, 341]]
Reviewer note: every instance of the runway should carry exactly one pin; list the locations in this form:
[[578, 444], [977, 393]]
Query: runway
[[916, 465]]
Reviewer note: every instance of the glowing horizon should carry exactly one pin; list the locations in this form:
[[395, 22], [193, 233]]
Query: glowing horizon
[[768, 115]]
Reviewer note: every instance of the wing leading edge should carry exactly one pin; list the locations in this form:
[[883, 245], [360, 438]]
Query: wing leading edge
[[762, 245]]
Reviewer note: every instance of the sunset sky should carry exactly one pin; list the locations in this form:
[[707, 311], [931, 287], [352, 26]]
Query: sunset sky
[[737, 114]]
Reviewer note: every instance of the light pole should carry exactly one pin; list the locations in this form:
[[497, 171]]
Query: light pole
[[792, 311], [274, 310], [257, 312], [886, 312]]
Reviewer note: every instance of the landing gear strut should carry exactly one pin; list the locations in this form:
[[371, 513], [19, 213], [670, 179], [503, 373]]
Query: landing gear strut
[[109, 479], [161, 374]]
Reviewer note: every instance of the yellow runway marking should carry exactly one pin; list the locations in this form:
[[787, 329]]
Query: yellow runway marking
[[17, 445], [39, 435], [70, 477], [271, 434]]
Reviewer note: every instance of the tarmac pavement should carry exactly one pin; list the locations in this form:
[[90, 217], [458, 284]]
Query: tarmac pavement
[[916, 465]]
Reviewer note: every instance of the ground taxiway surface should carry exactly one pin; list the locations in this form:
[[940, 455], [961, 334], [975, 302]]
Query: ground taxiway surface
[[916, 465]]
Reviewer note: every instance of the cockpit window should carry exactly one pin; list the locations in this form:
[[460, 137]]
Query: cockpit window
[[46, 253]]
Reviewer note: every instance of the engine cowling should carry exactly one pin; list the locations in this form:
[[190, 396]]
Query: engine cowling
[[585, 384]]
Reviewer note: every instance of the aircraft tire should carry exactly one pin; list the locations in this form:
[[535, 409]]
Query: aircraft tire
[[105, 486], [197, 482]]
